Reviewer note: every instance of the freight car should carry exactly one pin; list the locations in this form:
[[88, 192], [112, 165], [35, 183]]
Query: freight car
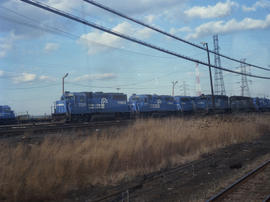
[[87, 106], [147, 105], [7, 116]]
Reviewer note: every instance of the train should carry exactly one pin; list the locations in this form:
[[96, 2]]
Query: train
[[88, 106], [92, 106]]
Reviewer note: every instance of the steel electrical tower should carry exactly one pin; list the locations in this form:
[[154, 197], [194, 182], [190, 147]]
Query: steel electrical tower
[[184, 88], [219, 82], [173, 86], [244, 82], [198, 83]]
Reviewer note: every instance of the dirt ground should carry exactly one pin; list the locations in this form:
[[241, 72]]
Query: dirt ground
[[194, 181]]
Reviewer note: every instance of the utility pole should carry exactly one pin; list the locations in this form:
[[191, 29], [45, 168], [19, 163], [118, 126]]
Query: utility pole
[[63, 83], [210, 74], [173, 85]]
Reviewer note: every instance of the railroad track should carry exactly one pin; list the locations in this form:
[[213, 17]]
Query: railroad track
[[23, 129], [254, 186], [126, 192]]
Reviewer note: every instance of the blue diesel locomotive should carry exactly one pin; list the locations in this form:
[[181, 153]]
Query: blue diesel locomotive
[[152, 105], [7, 116], [87, 106], [221, 104], [242, 104], [184, 104]]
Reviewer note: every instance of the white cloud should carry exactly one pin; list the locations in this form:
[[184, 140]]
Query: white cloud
[[43, 77], [51, 47], [65, 5], [6, 44], [97, 41], [218, 10], [24, 78], [1, 73], [182, 29], [215, 27], [89, 77], [257, 4], [46, 78], [150, 18]]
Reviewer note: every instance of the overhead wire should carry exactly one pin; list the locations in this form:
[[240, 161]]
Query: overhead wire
[[55, 30], [102, 28], [167, 34]]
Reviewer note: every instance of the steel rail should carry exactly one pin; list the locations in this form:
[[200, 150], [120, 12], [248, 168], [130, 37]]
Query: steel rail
[[222, 193], [96, 26], [267, 199], [20, 130], [166, 33], [150, 178]]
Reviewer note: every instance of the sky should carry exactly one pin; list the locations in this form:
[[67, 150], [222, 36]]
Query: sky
[[38, 48]]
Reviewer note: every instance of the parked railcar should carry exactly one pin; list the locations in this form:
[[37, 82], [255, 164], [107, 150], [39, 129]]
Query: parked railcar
[[152, 105], [221, 103], [87, 106], [242, 104], [184, 104], [7, 116]]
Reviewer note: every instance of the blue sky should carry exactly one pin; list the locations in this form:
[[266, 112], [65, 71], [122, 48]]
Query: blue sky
[[37, 48]]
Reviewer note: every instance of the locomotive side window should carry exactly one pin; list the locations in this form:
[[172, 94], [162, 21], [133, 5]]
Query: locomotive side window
[[119, 97], [169, 99], [81, 99]]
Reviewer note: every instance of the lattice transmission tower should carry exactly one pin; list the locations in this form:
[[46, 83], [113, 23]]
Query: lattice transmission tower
[[198, 83], [219, 82], [244, 82]]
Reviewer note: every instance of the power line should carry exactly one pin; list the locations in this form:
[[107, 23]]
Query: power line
[[55, 30], [166, 33], [107, 87], [94, 25], [33, 87]]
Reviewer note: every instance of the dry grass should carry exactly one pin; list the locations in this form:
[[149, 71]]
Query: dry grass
[[60, 164]]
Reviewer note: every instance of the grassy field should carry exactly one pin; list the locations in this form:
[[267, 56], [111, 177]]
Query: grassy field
[[62, 163]]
